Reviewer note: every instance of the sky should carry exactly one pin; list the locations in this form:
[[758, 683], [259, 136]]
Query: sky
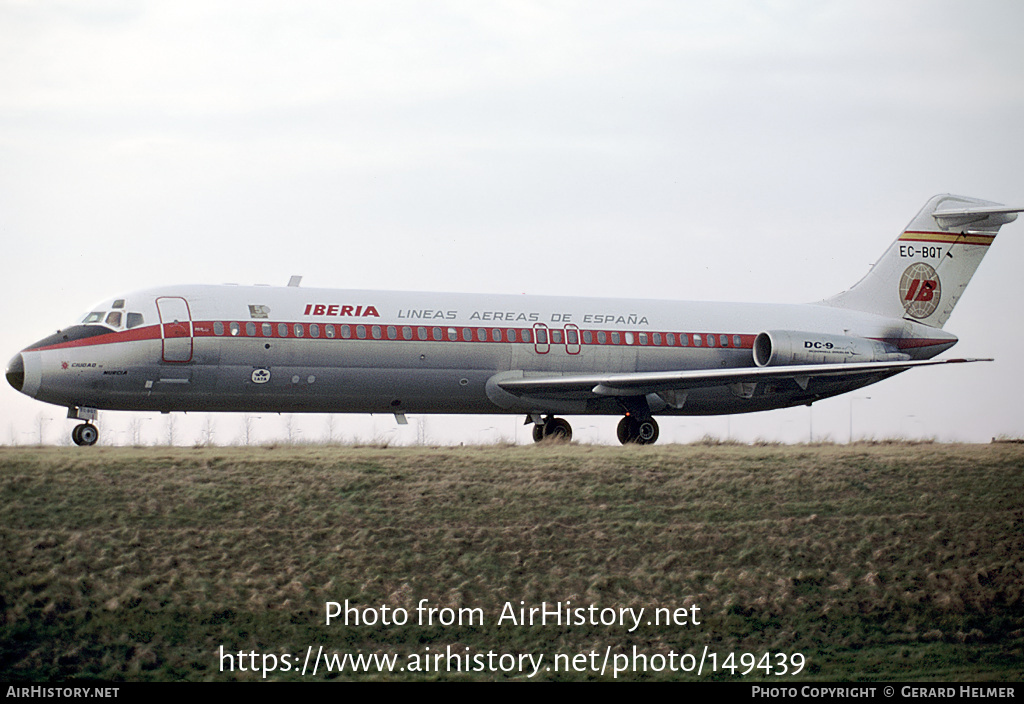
[[739, 151]]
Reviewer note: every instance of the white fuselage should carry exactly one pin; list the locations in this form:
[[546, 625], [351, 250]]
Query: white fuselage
[[292, 349]]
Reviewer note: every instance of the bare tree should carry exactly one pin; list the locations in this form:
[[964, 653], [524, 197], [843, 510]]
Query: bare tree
[[172, 423], [331, 423], [40, 422], [207, 432], [247, 427], [135, 431]]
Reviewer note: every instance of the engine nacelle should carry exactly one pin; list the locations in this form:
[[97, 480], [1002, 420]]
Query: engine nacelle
[[785, 347]]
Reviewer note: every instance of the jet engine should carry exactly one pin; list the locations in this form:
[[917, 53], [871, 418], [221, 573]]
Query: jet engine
[[786, 347]]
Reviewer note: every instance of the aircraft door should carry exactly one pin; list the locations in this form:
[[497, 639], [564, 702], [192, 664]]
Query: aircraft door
[[175, 329], [541, 343], [572, 339]]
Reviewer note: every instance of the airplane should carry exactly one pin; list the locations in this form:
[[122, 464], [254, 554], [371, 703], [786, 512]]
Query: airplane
[[291, 349]]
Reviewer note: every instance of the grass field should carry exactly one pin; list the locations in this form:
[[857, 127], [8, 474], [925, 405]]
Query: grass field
[[873, 562]]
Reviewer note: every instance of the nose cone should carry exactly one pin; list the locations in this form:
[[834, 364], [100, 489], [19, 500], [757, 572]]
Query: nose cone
[[16, 372]]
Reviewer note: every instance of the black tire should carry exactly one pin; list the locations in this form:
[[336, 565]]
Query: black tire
[[87, 434], [558, 429], [647, 432], [641, 432], [76, 434], [538, 432], [626, 430]]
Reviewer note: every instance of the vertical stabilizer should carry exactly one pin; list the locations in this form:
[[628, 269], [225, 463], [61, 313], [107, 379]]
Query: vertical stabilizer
[[925, 271]]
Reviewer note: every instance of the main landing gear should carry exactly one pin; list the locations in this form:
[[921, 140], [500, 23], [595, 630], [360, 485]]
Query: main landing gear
[[85, 434], [636, 431], [631, 430], [554, 428]]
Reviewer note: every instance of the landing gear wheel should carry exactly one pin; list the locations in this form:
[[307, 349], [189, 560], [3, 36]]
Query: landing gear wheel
[[647, 432], [85, 434], [641, 432], [625, 430], [557, 429]]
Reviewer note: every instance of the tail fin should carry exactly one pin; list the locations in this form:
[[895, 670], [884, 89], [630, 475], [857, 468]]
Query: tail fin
[[925, 271]]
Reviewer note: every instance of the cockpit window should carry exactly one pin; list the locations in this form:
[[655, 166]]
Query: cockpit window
[[119, 303], [114, 319], [135, 320], [94, 317]]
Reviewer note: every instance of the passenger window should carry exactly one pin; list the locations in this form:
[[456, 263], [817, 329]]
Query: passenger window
[[314, 330], [556, 337], [615, 338], [602, 337], [481, 334], [656, 338], [282, 329], [346, 332], [392, 332], [467, 334], [588, 337], [696, 340], [512, 336], [711, 340], [218, 327], [268, 330], [406, 332], [233, 327], [496, 334], [737, 341], [361, 332], [684, 339], [642, 336], [438, 335], [375, 331], [723, 340], [453, 334], [250, 329], [299, 331], [329, 331]]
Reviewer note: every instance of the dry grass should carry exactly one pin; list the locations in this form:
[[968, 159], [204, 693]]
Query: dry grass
[[877, 561]]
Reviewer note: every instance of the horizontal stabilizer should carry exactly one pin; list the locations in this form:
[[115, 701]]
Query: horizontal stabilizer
[[643, 383], [987, 216]]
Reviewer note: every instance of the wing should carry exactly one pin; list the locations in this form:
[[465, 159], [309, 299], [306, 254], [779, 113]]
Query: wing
[[643, 383]]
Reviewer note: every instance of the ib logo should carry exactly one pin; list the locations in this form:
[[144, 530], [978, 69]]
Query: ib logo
[[920, 290], [260, 376]]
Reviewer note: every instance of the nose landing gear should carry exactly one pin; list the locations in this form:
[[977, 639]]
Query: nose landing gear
[[85, 434]]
